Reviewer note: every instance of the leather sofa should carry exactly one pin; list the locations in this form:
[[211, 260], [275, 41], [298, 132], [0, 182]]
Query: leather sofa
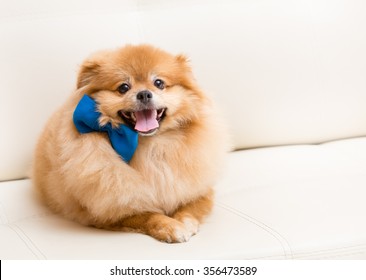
[[289, 78]]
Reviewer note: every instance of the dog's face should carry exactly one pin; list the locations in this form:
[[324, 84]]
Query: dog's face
[[143, 87]]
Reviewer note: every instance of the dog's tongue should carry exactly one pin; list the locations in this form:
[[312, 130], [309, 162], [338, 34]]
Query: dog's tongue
[[146, 120]]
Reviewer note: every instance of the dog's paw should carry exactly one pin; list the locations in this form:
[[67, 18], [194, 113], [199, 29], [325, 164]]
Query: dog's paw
[[182, 234], [191, 225], [173, 232]]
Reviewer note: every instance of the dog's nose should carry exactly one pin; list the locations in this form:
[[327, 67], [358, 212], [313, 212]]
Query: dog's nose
[[144, 96]]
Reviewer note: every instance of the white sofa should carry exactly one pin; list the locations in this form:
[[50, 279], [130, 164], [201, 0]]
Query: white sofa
[[290, 79]]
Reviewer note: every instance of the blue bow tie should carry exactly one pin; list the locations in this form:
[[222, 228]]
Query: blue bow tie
[[123, 139]]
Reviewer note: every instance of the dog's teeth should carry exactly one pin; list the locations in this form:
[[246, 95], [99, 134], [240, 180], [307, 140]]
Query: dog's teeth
[[128, 115], [160, 112]]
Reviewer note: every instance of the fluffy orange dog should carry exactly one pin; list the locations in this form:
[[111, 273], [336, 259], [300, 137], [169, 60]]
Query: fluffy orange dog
[[165, 190]]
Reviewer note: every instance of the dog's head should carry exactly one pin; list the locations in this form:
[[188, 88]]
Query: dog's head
[[143, 87]]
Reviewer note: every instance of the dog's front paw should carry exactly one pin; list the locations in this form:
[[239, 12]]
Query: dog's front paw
[[172, 232], [191, 225], [182, 234]]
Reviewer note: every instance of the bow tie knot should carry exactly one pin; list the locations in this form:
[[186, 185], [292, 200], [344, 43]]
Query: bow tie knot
[[86, 119]]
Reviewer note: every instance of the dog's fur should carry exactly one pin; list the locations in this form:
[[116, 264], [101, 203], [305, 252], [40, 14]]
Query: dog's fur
[[166, 189]]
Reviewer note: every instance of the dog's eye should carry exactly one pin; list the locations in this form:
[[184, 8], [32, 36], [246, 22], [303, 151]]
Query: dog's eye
[[123, 88], [159, 84]]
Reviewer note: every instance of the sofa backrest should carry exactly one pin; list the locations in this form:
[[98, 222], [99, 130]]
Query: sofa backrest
[[283, 72]]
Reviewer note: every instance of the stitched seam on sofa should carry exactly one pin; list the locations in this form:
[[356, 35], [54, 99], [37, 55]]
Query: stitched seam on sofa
[[28, 242], [14, 179], [284, 243], [3, 217]]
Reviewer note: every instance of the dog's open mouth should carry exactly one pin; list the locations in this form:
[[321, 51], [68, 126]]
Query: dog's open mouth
[[146, 122]]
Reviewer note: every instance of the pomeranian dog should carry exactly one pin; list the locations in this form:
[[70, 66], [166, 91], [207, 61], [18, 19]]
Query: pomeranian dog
[[137, 147]]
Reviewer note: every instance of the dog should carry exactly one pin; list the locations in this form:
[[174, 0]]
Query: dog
[[136, 147]]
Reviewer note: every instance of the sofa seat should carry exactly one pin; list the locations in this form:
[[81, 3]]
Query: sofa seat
[[287, 202]]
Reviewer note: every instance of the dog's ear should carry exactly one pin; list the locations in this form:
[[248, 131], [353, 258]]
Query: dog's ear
[[184, 63], [87, 72], [183, 59], [187, 78]]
